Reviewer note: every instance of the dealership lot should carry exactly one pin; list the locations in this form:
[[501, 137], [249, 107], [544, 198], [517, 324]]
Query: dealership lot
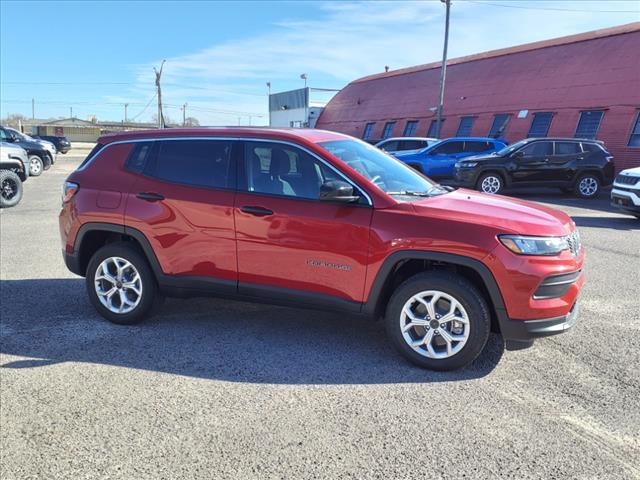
[[211, 387]]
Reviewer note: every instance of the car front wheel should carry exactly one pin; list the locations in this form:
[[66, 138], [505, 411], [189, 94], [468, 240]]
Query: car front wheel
[[120, 284], [587, 186], [10, 189], [490, 183], [36, 166], [438, 320]]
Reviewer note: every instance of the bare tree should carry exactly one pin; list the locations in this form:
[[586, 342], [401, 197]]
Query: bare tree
[[191, 122], [14, 119]]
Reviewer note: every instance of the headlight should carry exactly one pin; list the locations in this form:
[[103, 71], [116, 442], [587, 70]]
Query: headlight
[[523, 245]]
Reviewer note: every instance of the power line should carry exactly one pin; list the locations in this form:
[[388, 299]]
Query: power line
[[551, 9], [145, 108], [67, 83]]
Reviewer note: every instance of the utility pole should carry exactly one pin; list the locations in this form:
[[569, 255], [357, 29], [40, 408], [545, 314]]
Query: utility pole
[[71, 112], [33, 109], [184, 114], [158, 75], [443, 69], [125, 112]]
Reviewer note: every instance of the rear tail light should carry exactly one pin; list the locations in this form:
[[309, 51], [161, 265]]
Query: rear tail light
[[69, 189]]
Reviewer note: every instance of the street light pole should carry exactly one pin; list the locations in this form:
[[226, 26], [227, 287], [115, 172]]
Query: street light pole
[[443, 69], [125, 112]]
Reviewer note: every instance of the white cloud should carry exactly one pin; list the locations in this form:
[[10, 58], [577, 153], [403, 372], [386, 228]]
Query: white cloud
[[347, 40]]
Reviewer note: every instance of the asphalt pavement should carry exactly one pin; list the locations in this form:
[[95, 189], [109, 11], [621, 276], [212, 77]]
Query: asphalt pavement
[[212, 388]]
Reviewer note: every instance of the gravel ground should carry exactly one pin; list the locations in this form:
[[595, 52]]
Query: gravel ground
[[211, 388]]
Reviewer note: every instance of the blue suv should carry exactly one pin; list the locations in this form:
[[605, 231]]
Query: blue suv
[[438, 160]]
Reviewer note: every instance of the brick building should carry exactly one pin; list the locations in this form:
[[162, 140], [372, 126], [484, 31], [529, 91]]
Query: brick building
[[585, 85]]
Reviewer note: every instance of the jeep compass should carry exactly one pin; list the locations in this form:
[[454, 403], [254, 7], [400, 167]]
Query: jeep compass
[[316, 219]]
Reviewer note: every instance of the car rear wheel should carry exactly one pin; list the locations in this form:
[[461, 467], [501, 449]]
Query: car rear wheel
[[438, 321], [36, 166], [120, 284], [587, 186], [10, 189], [490, 183]]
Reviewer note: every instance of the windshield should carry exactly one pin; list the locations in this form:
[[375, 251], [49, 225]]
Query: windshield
[[512, 148], [387, 173]]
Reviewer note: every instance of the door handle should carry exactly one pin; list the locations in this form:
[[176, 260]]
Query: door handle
[[150, 196], [546, 160], [257, 211]]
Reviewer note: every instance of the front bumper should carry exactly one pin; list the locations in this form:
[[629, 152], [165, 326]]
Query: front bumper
[[465, 177], [520, 334], [625, 198]]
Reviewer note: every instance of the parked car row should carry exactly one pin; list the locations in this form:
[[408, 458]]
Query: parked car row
[[23, 156], [582, 166]]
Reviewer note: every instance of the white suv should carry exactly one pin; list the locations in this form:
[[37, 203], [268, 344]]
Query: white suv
[[625, 194]]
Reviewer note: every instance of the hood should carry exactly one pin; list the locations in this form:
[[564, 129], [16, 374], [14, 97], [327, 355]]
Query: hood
[[507, 215], [480, 157], [632, 172]]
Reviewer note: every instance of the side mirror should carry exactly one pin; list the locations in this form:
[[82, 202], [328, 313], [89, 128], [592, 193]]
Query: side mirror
[[518, 154], [337, 191], [12, 138]]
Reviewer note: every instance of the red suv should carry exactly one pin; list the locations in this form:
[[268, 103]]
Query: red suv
[[321, 220]]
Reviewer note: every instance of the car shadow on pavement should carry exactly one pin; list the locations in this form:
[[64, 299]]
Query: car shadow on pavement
[[210, 338], [616, 223]]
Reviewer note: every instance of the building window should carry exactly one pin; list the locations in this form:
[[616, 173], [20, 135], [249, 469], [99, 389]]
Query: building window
[[589, 124], [540, 124], [433, 128], [368, 130], [634, 139], [500, 122], [464, 129], [410, 128], [388, 129]]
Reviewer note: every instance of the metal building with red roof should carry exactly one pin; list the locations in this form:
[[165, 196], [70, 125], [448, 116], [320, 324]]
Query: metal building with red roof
[[585, 85]]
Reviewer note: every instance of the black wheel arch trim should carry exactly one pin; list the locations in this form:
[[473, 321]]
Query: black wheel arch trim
[[372, 308]]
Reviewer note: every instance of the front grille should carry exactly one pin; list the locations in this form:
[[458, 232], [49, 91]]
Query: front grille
[[574, 242], [627, 179]]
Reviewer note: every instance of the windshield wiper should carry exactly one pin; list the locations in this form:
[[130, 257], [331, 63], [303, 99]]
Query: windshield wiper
[[409, 193]]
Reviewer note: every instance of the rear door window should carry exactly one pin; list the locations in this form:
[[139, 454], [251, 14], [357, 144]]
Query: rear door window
[[201, 163], [411, 145], [474, 146], [448, 148], [567, 148]]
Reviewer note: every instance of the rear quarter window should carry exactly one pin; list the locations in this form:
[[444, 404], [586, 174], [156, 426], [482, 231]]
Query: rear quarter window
[[94, 151]]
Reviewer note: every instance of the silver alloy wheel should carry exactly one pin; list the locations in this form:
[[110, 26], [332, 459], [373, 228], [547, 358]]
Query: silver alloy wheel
[[491, 184], [118, 285], [35, 166], [588, 186], [434, 324]]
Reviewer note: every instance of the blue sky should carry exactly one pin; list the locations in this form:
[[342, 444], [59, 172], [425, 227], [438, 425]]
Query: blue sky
[[96, 56]]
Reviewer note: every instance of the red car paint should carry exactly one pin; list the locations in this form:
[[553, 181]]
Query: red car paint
[[204, 233]]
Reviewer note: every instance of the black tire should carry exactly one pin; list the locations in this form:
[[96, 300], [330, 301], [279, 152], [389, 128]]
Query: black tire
[[48, 161], [36, 166], [583, 182], [460, 289], [10, 189], [494, 179], [149, 287]]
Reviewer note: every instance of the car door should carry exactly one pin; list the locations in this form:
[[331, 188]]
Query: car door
[[411, 146], [290, 244], [530, 164], [182, 201], [441, 159], [564, 162]]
